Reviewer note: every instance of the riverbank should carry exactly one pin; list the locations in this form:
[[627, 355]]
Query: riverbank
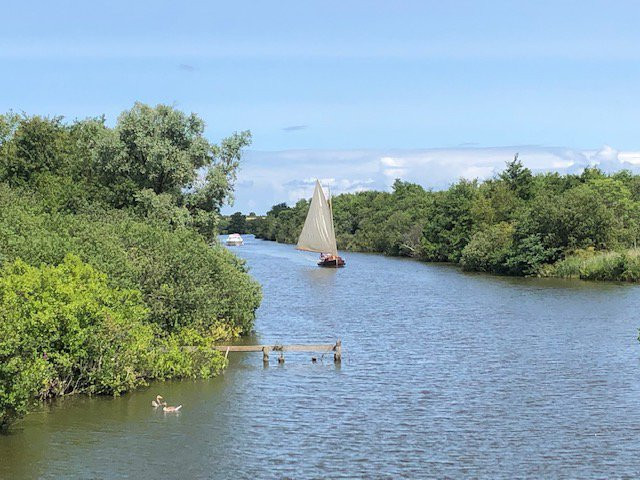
[[621, 266], [516, 224], [587, 265]]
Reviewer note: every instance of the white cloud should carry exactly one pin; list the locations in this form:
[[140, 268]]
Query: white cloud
[[630, 157], [392, 162], [394, 173], [267, 178]]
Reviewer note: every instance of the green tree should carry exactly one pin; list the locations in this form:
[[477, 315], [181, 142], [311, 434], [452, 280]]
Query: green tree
[[163, 151], [518, 178], [158, 148], [237, 223], [450, 224], [32, 145], [183, 280]]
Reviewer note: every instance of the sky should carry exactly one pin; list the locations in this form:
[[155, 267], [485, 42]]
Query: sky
[[356, 93]]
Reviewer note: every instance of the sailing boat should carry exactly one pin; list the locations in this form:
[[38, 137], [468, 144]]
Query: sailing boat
[[318, 234]]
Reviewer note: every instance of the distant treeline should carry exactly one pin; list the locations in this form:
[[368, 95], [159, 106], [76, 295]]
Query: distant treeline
[[238, 223], [517, 223], [106, 267]]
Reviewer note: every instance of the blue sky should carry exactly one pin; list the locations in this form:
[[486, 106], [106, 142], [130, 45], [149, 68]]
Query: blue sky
[[352, 92]]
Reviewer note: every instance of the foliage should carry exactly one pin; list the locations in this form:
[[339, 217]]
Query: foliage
[[152, 148], [591, 265], [64, 330], [151, 151], [237, 223], [516, 223], [183, 280], [107, 272], [518, 178], [489, 249], [449, 229]]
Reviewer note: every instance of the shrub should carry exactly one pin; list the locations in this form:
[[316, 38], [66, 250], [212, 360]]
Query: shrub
[[184, 281], [488, 250], [590, 265], [63, 330]]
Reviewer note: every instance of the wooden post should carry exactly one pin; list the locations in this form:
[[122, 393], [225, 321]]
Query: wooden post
[[337, 357], [265, 354]]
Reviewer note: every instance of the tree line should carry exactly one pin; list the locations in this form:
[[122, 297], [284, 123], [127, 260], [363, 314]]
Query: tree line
[[583, 225], [107, 264]]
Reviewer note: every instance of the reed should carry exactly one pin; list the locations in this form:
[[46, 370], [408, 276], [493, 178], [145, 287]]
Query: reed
[[623, 266]]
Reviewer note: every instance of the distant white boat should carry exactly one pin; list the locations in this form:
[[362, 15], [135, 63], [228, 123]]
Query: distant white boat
[[234, 240]]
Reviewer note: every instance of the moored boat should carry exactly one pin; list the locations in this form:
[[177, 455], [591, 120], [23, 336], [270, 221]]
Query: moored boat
[[318, 234], [234, 240]]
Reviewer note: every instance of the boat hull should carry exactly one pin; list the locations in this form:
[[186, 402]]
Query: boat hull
[[234, 240], [333, 263]]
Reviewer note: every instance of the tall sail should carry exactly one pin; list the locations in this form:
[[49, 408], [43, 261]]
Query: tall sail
[[318, 234]]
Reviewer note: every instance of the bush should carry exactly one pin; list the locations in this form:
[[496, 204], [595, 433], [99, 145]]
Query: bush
[[63, 330], [183, 280], [200, 360], [488, 250]]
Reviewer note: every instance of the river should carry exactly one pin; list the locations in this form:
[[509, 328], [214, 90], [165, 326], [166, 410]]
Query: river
[[444, 374]]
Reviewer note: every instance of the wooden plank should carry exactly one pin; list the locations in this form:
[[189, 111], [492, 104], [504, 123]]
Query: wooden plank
[[276, 348]]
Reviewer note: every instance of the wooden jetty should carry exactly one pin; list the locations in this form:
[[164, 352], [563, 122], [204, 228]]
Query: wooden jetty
[[265, 349]]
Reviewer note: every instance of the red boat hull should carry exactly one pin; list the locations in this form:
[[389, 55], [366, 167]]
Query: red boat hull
[[333, 263]]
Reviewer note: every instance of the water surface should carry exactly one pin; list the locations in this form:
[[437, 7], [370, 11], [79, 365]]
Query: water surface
[[444, 374]]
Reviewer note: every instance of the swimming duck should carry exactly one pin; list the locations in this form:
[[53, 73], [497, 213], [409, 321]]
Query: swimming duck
[[158, 402], [167, 409]]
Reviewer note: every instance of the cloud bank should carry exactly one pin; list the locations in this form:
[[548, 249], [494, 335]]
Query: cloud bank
[[267, 178]]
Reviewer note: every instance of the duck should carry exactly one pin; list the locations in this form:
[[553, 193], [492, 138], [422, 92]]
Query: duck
[[168, 409], [159, 402]]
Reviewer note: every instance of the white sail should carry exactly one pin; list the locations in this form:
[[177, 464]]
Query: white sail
[[318, 234]]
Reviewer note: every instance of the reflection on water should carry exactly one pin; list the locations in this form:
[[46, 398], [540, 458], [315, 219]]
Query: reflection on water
[[443, 374]]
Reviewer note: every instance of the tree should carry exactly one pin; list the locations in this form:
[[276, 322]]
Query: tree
[[152, 148], [237, 223], [276, 209], [489, 249], [449, 226], [32, 145], [164, 150], [518, 177], [103, 276]]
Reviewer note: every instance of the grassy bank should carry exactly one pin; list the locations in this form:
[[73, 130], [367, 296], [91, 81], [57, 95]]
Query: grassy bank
[[591, 265]]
